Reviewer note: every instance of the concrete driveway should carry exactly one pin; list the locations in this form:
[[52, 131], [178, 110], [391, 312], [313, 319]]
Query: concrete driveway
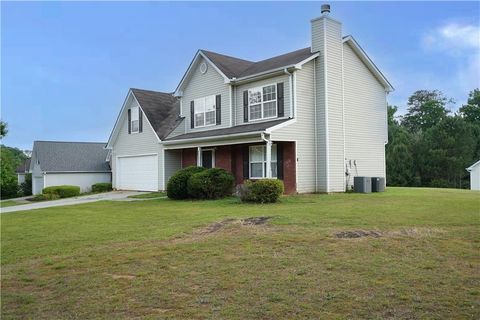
[[114, 195]]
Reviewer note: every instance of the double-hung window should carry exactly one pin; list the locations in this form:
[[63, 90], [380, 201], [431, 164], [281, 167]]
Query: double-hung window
[[134, 119], [262, 102], [258, 162], [205, 111]]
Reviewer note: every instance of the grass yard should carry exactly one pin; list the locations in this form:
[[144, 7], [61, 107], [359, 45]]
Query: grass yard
[[183, 260], [149, 195], [10, 203]]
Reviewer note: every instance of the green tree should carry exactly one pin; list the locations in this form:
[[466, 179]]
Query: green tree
[[445, 150], [471, 111], [8, 182], [425, 109], [399, 157], [3, 129], [391, 110]]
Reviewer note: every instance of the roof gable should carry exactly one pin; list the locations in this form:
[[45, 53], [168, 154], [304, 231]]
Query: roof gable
[[60, 156], [368, 62], [161, 110], [473, 166], [232, 68]]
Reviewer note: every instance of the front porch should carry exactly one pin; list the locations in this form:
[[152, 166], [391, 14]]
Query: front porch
[[250, 160]]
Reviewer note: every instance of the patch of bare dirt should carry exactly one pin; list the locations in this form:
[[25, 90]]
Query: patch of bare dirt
[[404, 232], [214, 227], [255, 221], [217, 226], [357, 234]]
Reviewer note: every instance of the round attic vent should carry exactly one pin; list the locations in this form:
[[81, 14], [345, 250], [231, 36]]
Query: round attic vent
[[203, 67]]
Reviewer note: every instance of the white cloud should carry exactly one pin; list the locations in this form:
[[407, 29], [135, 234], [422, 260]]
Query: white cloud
[[453, 38], [460, 42]]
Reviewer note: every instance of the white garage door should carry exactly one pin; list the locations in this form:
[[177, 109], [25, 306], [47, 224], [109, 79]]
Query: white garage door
[[137, 173]]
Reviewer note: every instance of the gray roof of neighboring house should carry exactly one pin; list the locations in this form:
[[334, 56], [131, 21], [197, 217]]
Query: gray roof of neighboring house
[[238, 68], [59, 156], [161, 109], [251, 127], [24, 167]]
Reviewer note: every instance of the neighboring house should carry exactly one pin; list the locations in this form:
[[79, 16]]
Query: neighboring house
[[80, 164], [474, 170], [22, 170], [313, 117]]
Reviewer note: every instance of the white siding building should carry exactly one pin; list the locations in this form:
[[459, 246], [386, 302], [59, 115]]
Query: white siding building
[[474, 170], [56, 163], [315, 118]]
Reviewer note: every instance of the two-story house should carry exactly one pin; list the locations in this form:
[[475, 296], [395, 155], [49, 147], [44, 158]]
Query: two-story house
[[314, 118]]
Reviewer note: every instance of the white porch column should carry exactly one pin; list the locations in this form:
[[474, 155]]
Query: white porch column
[[268, 148], [199, 156]]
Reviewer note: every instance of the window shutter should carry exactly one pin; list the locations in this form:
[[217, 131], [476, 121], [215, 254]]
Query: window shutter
[[129, 121], [280, 100], [140, 120], [245, 106], [218, 105], [246, 169], [280, 161], [192, 114]]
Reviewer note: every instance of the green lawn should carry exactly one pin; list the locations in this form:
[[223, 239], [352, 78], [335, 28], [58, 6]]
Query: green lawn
[[10, 203], [149, 195], [167, 259]]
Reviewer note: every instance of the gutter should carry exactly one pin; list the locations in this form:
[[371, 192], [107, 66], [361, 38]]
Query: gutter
[[181, 141]]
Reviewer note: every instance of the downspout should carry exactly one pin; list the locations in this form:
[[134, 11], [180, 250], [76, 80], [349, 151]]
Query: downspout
[[291, 90], [315, 120], [231, 105], [268, 149]]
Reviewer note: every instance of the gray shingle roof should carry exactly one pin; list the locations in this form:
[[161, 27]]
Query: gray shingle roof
[[252, 127], [230, 66], [161, 109], [59, 156], [234, 67]]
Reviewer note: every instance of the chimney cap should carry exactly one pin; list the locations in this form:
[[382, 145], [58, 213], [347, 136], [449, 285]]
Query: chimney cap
[[325, 8]]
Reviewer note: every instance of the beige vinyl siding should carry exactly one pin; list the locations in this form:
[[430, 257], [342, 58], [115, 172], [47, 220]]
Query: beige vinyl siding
[[302, 131], [365, 117], [273, 80], [327, 39], [173, 162], [201, 85], [136, 144], [335, 106]]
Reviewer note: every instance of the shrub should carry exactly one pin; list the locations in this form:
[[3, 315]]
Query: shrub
[[177, 185], [101, 187], [213, 183], [46, 196], [26, 186], [262, 191], [62, 191]]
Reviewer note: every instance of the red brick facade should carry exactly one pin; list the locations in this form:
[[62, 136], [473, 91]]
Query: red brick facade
[[189, 157], [230, 158]]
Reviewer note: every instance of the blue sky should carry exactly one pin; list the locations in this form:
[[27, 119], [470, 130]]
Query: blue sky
[[67, 66]]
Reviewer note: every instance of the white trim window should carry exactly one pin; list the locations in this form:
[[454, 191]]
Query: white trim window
[[262, 102], [258, 162], [205, 111], [134, 120]]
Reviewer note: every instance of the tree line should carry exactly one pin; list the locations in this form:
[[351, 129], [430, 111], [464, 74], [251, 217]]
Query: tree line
[[10, 159], [431, 146]]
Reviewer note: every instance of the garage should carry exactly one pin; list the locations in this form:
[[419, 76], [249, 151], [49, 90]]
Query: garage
[[137, 173]]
